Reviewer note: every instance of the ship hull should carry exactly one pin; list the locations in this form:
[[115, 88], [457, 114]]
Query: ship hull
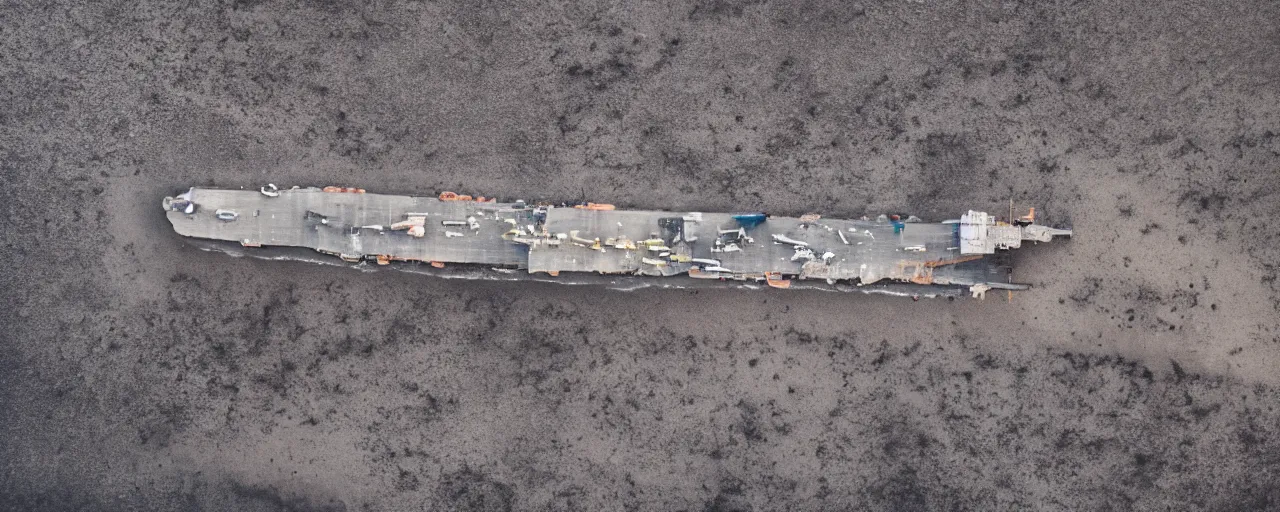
[[354, 226]]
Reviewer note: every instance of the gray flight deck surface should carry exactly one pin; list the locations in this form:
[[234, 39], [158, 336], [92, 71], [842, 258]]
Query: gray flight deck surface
[[871, 243], [282, 221], [358, 226]]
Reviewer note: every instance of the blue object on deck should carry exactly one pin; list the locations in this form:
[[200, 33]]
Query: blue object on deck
[[898, 226], [750, 220]]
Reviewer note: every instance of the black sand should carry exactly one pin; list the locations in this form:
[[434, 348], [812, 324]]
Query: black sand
[[137, 372]]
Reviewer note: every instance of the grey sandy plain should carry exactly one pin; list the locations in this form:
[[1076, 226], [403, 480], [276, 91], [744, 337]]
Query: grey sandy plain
[[138, 372]]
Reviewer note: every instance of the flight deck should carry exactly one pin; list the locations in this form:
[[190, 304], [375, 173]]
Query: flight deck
[[598, 238]]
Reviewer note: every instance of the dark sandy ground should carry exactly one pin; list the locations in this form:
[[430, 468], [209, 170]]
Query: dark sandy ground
[[137, 372]]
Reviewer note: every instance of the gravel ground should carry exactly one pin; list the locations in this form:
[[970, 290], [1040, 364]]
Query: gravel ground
[[138, 372]]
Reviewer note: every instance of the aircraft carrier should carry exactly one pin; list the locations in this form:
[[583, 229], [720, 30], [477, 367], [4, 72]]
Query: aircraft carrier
[[590, 238]]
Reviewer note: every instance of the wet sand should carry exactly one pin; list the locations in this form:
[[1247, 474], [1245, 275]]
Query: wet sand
[[138, 371]]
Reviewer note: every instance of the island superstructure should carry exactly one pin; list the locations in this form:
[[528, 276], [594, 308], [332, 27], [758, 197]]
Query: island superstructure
[[598, 238]]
